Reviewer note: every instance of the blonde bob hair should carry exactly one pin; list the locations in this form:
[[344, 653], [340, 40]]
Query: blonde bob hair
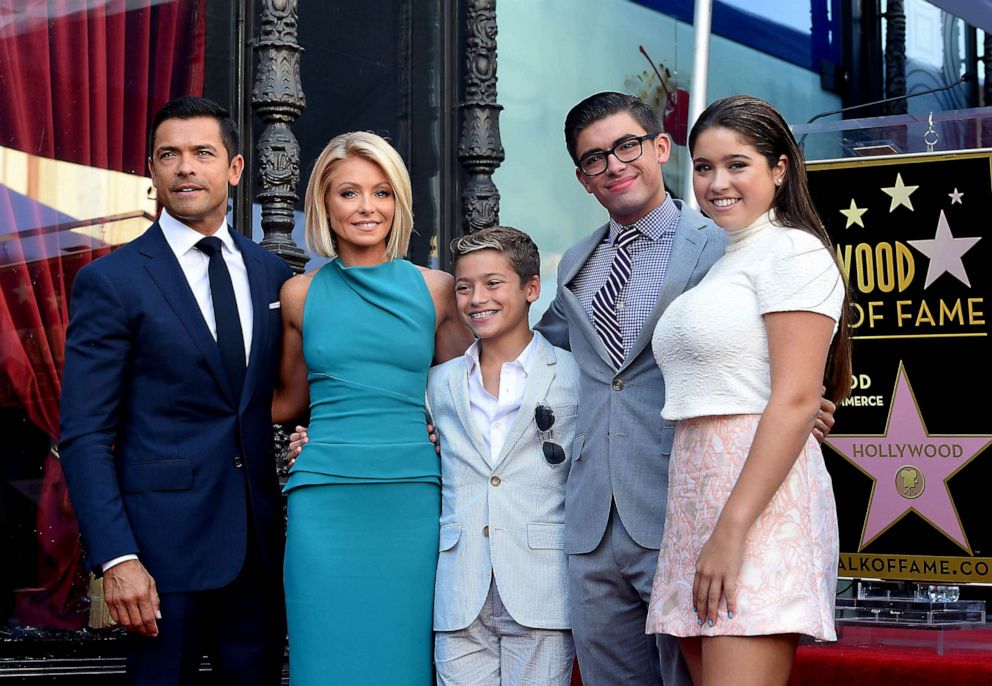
[[366, 145]]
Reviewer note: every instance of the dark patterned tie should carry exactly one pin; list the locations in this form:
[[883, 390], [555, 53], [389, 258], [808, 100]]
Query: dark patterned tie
[[604, 303], [230, 338]]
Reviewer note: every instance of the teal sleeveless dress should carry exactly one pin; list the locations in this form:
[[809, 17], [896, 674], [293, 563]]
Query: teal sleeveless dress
[[364, 495]]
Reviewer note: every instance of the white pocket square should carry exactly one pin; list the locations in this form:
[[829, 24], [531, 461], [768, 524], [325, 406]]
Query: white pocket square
[[275, 306]]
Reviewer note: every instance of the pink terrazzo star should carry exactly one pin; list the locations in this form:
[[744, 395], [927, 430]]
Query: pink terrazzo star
[[910, 468]]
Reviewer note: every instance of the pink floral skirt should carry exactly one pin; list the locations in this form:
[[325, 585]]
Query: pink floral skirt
[[788, 578]]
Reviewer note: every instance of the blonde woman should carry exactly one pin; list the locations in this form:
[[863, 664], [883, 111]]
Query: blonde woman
[[359, 336]]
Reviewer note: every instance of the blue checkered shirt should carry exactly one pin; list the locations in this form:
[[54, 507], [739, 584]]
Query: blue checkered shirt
[[649, 255]]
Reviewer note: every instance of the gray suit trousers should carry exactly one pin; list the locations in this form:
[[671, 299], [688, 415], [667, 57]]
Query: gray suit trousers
[[610, 589]]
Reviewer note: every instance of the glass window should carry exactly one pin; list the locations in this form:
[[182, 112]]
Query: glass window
[[936, 56], [553, 54], [81, 82], [935, 50]]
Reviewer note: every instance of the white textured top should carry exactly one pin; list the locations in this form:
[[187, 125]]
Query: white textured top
[[711, 342]]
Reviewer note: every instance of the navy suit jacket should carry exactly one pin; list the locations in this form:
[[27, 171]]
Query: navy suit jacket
[[160, 459]]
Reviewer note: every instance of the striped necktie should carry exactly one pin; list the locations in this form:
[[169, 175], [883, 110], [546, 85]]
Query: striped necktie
[[604, 303]]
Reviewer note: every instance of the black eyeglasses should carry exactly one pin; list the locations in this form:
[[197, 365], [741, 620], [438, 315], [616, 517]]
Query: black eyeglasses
[[629, 149], [544, 417]]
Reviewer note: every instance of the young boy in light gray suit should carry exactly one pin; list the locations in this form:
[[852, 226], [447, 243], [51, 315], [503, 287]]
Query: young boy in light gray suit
[[505, 414]]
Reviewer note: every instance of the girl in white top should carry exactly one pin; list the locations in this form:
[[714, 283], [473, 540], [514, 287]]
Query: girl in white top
[[748, 561]]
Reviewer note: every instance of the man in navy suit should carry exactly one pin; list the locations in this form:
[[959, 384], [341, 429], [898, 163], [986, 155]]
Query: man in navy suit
[[171, 356]]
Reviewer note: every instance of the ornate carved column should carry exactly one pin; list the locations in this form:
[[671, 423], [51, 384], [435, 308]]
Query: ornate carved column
[[480, 150], [278, 100], [895, 55]]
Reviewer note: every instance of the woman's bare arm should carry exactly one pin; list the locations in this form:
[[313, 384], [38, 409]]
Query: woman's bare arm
[[451, 336], [292, 394]]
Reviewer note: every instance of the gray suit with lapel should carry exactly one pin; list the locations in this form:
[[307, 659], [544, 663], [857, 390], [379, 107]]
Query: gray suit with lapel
[[622, 445], [512, 532]]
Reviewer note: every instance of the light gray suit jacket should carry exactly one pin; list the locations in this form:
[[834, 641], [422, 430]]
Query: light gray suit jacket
[[622, 445], [503, 518]]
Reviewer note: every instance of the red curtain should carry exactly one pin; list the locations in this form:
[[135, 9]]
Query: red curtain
[[79, 82], [82, 85]]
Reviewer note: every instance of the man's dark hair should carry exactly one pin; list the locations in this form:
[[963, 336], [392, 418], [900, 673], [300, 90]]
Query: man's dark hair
[[603, 105], [191, 107]]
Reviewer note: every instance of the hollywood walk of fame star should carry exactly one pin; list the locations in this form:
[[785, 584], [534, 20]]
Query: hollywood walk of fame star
[[956, 197], [853, 214], [945, 251], [900, 194], [906, 446]]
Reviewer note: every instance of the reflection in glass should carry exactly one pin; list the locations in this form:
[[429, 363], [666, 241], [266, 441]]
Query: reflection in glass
[[81, 82]]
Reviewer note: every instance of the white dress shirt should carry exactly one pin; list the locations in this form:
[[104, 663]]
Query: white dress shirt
[[492, 415], [183, 240], [193, 262]]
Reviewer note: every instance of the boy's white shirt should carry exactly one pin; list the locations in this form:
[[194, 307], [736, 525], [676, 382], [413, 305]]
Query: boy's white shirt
[[494, 416]]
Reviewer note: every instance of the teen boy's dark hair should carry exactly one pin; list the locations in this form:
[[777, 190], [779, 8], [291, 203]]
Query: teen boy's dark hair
[[601, 106], [516, 245]]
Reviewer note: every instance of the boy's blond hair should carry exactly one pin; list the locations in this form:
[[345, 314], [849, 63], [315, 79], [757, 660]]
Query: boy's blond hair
[[516, 245]]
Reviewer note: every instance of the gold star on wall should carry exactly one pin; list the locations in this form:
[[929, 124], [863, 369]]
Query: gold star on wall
[[853, 214], [900, 194]]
